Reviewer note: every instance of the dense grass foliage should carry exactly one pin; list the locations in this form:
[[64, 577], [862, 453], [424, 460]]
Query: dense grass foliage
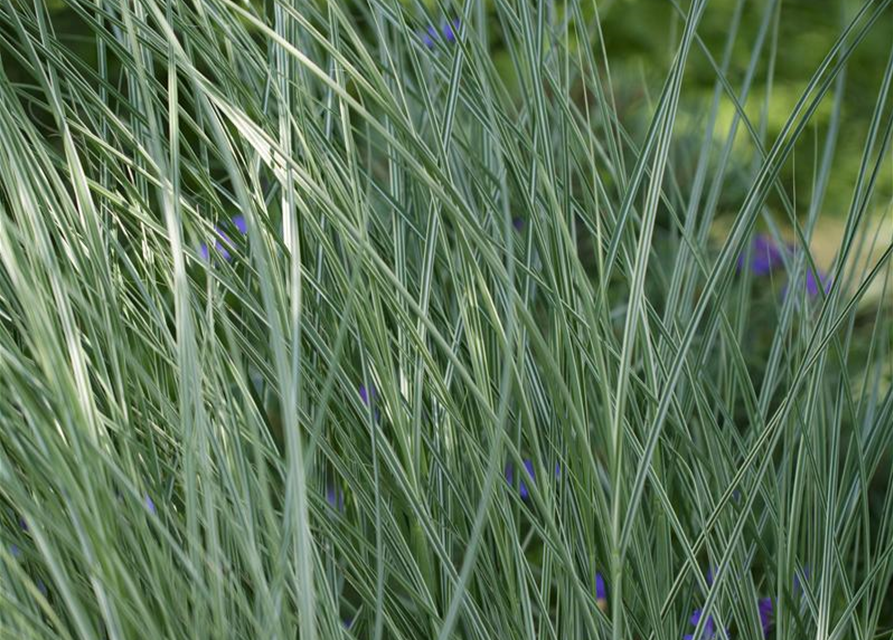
[[381, 320]]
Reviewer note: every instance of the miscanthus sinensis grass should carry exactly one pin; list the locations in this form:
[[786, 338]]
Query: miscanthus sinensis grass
[[380, 320]]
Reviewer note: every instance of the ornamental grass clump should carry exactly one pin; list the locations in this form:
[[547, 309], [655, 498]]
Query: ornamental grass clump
[[552, 235]]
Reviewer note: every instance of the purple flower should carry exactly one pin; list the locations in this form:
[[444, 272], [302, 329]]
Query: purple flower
[[765, 607], [450, 30], [15, 551], [239, 223], [518, 223], [429, 37], [367, 396], [601, 592], [150, 505], [765, 256], [42, 588], [510, 477], [709, 630], [347, 622], [23, 525], [335, 497], [812, 284]]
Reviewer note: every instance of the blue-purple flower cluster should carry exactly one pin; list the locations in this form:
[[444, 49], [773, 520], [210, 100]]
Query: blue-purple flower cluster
[[448, 30], [224, 240], [523, 489], [765, 256], [765, 609]]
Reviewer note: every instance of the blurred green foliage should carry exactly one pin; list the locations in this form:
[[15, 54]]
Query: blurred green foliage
[[641, 37]]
